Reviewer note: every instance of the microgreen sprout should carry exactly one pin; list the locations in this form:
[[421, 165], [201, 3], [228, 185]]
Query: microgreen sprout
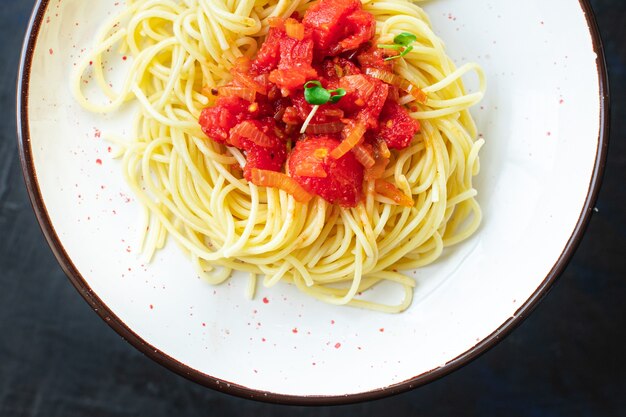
[[402, 43], [317, 95]]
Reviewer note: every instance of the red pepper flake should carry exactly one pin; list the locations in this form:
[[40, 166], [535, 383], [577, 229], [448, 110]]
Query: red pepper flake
[[151, 307], [294, 330], [124, 58], [109, 149], [382, 329], [561, 101], [549, 133], [337, 345], [99, 161], [263, 339], [51, 51], [265, 300], [332, 322], [97, 133], [203, 324]]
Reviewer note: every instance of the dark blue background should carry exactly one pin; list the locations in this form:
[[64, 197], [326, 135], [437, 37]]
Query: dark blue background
[[58, 358]]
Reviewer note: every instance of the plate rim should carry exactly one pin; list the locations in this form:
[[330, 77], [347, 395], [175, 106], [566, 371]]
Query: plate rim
[[109, 317]]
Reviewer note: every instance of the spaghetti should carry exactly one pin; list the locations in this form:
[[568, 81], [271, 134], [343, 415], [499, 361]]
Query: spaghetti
[[192, 189]]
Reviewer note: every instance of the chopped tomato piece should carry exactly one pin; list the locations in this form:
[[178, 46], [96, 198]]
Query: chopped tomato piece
[[325, 20], [338, 26], [267, 158], [361, 85], [296, 54], [375, 104], [334, 69], [374, 57], [397, 127], [217, 121], [268, 57], [313, 169], [262, 147], [289, 79], [293, 63], [363, 28], [344, 177], [366, 96]]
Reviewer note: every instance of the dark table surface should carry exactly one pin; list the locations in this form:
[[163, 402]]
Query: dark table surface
[[58, 358]]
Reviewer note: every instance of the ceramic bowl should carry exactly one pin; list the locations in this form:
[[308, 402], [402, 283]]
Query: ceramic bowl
[[544, 121]]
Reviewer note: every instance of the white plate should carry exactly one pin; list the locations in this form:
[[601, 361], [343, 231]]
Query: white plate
[[544, 122]]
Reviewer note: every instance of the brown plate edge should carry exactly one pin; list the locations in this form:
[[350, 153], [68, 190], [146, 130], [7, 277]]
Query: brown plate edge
[[172, 364]]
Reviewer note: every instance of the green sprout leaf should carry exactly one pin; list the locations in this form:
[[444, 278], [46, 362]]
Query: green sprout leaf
[[404, 39], [337, 94], [402, 43], [315, 94]]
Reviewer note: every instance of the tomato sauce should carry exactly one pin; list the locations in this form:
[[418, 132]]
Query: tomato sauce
[[263, 109]]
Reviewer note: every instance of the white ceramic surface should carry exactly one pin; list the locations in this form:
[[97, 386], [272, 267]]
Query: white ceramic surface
[[541, 121]]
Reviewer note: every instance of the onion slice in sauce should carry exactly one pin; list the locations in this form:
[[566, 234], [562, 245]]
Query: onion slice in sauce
[[358, 83], [245, 93], [266, 178], [248, 82], [250, 131], [363, 154], [383, 149], [387, 189], [353, 136], [381, 156], [325, 128], [397, 81]]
